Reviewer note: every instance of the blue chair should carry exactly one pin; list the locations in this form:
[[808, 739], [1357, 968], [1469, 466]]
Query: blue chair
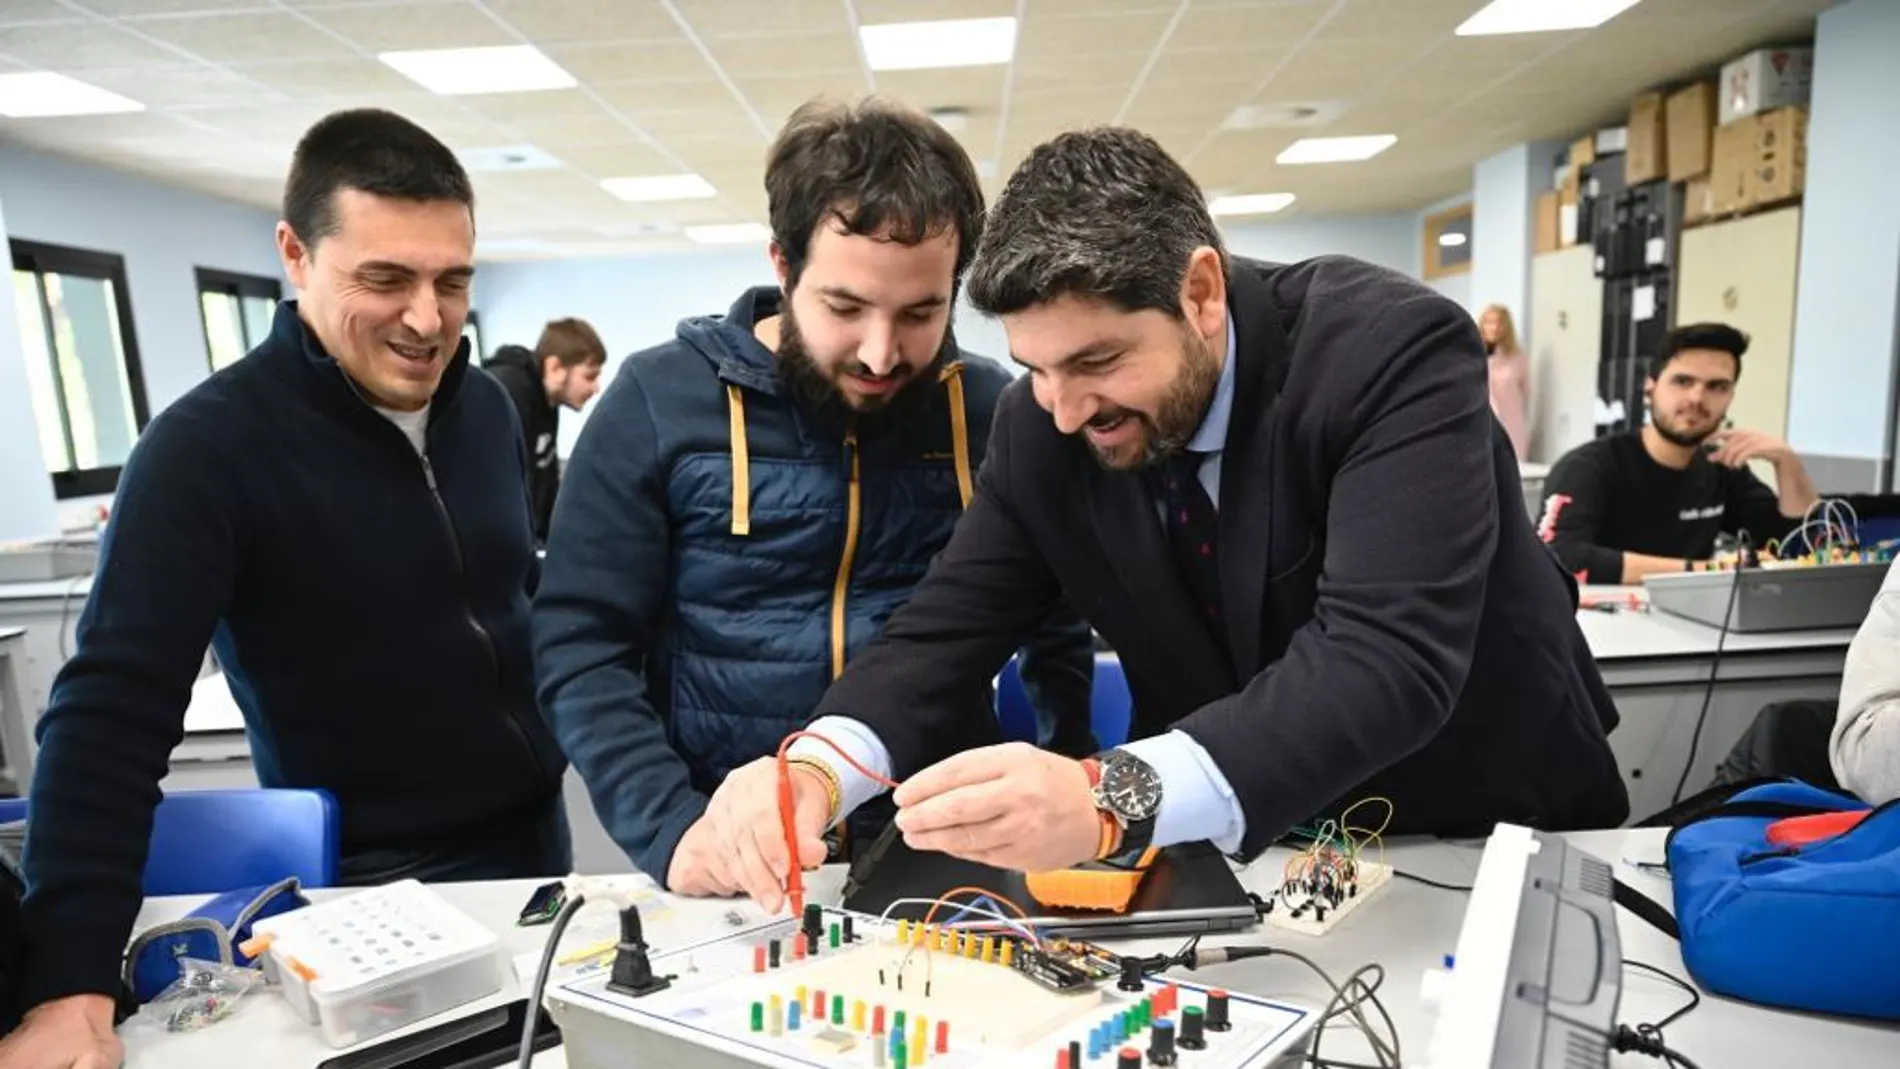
[[209, 842], [1110, 706]]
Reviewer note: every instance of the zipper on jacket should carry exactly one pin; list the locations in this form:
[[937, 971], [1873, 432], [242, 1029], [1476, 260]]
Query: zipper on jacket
[[468, 610], [843, 582]]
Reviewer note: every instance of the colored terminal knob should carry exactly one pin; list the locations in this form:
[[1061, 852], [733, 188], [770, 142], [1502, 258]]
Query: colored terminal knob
[[1191, 1037], [1129, 1058], [814, 920], [1131, 974], [1161, 1043], [1217, 1011]]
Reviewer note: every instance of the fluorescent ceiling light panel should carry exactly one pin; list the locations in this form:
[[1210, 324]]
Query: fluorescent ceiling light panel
[[39, 94], [909, 46], [1541, 16], [465, 71], [1451, 239], [729, 233], [1335, 149], [1249, 203], [660, 187]]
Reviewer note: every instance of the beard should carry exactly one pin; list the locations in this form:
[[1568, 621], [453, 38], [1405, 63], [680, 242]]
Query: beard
[[1182, 408], [816, 387], [1672, 431]]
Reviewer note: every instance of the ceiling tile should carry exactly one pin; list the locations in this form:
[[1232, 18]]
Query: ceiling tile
[[1207, 68], [316, 77], [634, 61], [720, 115], [874, 12], [1396, 19], [1106, 72], [16, 12], [750, 18], [246, 36], [776, 97], [453, 24], [132, 8], [82, 46], [529, 107], [606, 159], [977, 89], [802, 54], [181, 85], [1246, 26], [588, 20], [1043, 36]]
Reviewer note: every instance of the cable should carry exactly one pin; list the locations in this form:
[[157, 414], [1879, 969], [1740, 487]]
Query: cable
[[1695, 997], [1629, 1039], [788, 811], [525, 1055], [1715, 666], [1429, 883], [1362, 991]]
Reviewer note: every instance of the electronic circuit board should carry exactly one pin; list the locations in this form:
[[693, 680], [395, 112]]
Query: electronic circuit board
[[863, 992]]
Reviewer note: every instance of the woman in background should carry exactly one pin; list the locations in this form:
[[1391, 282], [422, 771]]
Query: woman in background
[[1510, 377]]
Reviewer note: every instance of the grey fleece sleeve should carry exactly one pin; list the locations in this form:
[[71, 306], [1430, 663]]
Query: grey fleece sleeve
[[1865, 746]]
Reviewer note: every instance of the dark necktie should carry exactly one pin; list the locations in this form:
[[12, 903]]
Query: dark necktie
[[1192, 523]]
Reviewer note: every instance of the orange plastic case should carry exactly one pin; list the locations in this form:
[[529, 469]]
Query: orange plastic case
[[1097, 885]]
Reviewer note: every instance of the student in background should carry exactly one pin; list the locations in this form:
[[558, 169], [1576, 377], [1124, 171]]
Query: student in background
[[339, 515], [750, 501], [1654, 500], [563, 371], [1510, 377], [1865, 746]]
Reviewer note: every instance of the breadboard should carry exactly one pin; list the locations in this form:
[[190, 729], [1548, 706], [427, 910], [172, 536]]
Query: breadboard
[[975, 1014], [1299, 912]]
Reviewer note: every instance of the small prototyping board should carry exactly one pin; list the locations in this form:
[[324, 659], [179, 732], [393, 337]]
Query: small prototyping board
[[729, 1005], [1310, 913]]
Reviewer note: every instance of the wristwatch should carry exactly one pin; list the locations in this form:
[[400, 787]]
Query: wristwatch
[[1127, 791]]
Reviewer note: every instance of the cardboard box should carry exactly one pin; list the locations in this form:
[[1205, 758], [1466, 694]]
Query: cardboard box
[[1780, 156], [1765, 80], [1689, 129], [1731, 167], [1583, 152], [1546, 229], [1698, 201], [1647, 160], [1567, 218]]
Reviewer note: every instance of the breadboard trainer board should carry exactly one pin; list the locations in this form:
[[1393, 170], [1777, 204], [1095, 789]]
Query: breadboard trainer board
[[1309, 913], [728, 1006]]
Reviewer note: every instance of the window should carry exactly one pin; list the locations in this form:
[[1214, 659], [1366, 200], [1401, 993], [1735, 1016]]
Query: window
[[237, 311], [472, 330], [1448, 243], [82, 363]]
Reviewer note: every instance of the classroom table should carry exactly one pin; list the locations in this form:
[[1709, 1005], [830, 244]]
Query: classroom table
[[1408, 929], [1657, 667]]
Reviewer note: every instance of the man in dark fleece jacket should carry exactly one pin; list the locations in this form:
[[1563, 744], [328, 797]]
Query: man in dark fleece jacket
[[340, 515], [561, 371], [750, 502]]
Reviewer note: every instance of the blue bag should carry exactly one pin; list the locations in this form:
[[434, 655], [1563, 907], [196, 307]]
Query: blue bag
[[214, 932], [1813, 927]]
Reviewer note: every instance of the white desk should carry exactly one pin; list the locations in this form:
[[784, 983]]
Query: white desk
[[1408, 930], [1657, 668]]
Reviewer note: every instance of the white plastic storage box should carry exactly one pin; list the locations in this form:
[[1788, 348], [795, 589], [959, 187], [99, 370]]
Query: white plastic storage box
[[362, 966]]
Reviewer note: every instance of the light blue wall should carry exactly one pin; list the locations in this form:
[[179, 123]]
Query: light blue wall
[[162, 233], [1504, 202], [26, 494], [1840, 388], [637, 302]]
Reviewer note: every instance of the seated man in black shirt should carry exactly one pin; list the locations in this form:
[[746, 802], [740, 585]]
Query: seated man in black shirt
[[1651, 501]]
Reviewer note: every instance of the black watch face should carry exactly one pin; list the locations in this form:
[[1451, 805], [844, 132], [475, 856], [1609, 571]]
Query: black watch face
[[1131, 789]]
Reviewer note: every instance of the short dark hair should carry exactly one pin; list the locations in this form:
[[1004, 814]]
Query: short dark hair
[[372, 150], [1104, 214], [572, 341], [877, 167], [1718, 336]]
